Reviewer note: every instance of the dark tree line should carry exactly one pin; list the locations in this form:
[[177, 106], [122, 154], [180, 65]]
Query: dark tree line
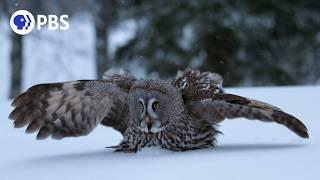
[[103, 15], [248, 42], [102, 11], [16, 54]]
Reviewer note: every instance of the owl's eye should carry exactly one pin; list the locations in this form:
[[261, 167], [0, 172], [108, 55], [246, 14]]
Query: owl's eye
[[155, 105], [141, 105]]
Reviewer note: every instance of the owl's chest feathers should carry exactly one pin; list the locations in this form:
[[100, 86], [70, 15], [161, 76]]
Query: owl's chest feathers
[[181, 136]]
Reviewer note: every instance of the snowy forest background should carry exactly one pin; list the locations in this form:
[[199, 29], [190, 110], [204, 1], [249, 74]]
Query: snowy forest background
[[250, 43]]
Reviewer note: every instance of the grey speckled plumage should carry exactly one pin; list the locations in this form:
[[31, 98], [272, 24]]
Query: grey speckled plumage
[[178, 115]]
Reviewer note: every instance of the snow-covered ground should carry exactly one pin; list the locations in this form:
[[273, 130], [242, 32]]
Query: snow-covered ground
[[247, 150]]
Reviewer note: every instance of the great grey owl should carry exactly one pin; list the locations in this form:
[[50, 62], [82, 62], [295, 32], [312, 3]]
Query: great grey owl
[[178, 115]]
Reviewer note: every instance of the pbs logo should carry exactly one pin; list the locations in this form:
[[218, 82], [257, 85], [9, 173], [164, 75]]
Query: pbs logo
[[23, 22]]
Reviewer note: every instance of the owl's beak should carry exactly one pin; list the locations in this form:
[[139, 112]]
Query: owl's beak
[[148, 121]]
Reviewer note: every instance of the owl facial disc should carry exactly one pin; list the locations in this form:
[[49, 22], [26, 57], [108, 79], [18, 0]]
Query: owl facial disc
[[149, 118]]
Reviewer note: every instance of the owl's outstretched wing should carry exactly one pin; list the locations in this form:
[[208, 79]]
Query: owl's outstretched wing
[[232, 106], [204, 98], [69, 109]]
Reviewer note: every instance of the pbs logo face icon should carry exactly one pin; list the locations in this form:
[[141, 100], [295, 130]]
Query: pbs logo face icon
[[22, 22]]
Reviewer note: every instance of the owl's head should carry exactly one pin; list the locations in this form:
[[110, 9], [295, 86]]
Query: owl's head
[[154, 105]]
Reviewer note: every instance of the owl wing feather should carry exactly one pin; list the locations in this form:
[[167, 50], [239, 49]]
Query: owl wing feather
[[211, 104], [195, 85], [69, 109], [232, 106]]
